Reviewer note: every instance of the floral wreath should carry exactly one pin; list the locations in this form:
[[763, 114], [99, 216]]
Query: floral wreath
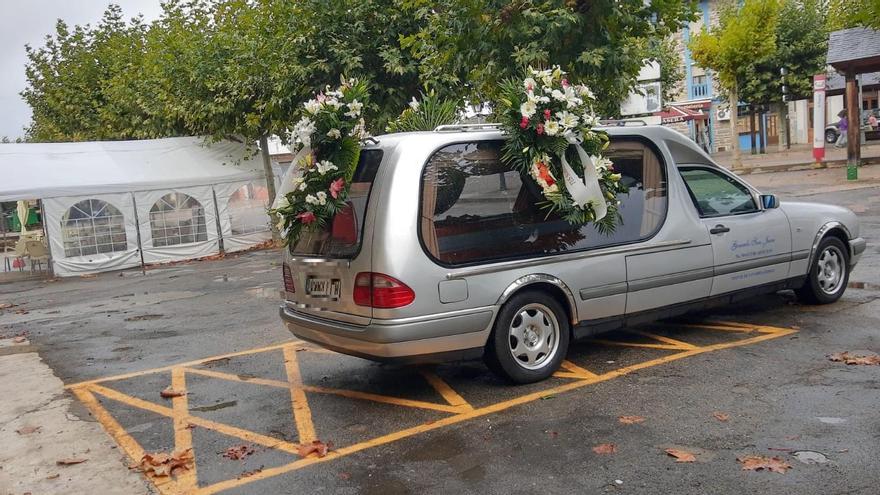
[[548, 122], [327, 138]]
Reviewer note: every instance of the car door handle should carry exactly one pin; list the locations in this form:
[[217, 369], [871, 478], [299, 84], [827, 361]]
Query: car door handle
[[719, 229]]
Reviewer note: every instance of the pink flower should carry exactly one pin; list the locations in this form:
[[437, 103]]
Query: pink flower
[[321, 97], [540, 129], [524, 122], [565, 83], [336, 187], [547, 114], [306, 217]]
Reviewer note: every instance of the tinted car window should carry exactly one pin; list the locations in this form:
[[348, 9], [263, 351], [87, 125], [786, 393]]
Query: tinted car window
[[475, 208], [341, 238], [717, 194]]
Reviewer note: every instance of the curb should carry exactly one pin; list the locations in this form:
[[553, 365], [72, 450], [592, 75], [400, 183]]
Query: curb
[[792, 167]]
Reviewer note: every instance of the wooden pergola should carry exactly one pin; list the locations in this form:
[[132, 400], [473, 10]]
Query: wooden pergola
[[852, 52]]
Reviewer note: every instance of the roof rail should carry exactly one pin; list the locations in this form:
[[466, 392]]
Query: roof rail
[[369, 141], [622, 123], [468, 127]]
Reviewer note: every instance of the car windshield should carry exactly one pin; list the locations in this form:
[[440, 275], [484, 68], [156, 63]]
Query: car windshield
[[342, 237]]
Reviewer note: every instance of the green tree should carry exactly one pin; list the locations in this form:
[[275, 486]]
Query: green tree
[[664, 52], [746, 33], [843, 14], [469, 46], [74, 80]]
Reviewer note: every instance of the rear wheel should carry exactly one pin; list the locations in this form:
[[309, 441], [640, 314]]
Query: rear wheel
[[530, 338], [830, 136], [828, 275]]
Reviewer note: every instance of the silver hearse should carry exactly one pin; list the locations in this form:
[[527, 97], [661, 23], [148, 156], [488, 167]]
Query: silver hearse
[[444, 255]]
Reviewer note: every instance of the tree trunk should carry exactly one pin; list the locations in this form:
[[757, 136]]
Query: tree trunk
[[754, 149], [270, 181], [734, 135]]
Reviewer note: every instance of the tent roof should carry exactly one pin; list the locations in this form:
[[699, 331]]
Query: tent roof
[[47, 170]]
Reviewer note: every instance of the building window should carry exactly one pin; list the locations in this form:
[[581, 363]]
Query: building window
[[475, 208], [247, 209], [700, 86], [93, 227], [177, 218]]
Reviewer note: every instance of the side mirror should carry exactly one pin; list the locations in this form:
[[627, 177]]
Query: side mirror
[[769, 201]]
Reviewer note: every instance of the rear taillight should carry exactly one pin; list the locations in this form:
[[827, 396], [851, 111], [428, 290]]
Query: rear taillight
[[288, 279], [381, 291]]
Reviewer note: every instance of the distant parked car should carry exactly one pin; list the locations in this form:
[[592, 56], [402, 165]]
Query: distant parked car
[[446, 254], [832, 133]]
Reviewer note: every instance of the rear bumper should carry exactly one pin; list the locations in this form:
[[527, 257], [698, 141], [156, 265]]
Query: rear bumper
[[857, 246], [445, 337]]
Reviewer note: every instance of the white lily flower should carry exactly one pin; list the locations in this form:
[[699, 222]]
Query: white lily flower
[[334, 134], [584, 91], [558, 95], [302, 186], [312, 106], [311, 199], [528, 109], [551, 128], [414, 104], [303, 130], [322, 198], [567, 120], [354, 108], [325, 166], [283, 203]]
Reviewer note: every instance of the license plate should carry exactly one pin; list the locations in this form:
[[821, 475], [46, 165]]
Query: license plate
[[323, 287]]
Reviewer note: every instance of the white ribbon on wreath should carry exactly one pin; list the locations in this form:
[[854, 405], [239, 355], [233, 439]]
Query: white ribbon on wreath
[[293, 171], [586, 191]]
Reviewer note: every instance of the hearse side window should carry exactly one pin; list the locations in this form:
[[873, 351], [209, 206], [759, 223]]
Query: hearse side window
[[716, 194], [476, 209]]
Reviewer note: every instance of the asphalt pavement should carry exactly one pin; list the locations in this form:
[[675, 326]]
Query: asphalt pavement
[[749, 379]]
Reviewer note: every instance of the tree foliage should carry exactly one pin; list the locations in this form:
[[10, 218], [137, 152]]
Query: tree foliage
[[843, 14], [746, 32], [801, 47], [473, 45]]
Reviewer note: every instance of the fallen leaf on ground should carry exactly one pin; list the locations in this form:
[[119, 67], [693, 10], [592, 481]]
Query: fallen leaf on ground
[[317, 447], [27, 430], [70, 461], [170, 393], [160, 464], [19, 340], [344, 476], [238, 452], [720, 416], [21, 311], [53, 476], [759, 462], [630, 420], [88, 275], [681, 455], [852, 359], [605, 448], [7, 305], [248, 474]]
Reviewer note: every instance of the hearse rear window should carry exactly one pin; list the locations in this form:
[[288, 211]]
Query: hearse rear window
[[476, 209]]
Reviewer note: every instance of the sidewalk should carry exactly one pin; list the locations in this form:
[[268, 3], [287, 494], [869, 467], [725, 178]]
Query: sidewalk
[[50, 444], [799, 157]]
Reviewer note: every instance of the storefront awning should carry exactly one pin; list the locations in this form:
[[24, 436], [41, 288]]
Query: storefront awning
[[681, 113]]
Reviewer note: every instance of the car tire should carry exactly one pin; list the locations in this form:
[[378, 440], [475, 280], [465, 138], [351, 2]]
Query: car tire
[[530, 338], [830, 136], [829, 273]]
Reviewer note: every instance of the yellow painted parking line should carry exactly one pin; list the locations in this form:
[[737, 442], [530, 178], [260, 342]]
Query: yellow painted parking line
[[351, 449], [351, 394], [443, 388], [301, 412], [172, 366], [616, 343], [225, 429], [186, 480], [576, 370], [661, 338]]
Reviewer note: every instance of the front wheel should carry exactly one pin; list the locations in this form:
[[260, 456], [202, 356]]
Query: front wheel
[[530, 338], [828, 275]]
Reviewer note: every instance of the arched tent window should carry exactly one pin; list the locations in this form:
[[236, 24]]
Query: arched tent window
[[247, 209], [91, 227], [177, 218]]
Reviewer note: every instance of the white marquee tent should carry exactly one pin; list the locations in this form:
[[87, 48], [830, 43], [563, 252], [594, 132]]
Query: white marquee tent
[[106, 204]]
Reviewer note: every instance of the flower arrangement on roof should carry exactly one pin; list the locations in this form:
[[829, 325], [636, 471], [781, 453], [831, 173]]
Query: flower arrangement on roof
[[551, 136], [327, 143]]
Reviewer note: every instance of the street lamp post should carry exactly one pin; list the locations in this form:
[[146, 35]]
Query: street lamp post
[[784, 109]]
